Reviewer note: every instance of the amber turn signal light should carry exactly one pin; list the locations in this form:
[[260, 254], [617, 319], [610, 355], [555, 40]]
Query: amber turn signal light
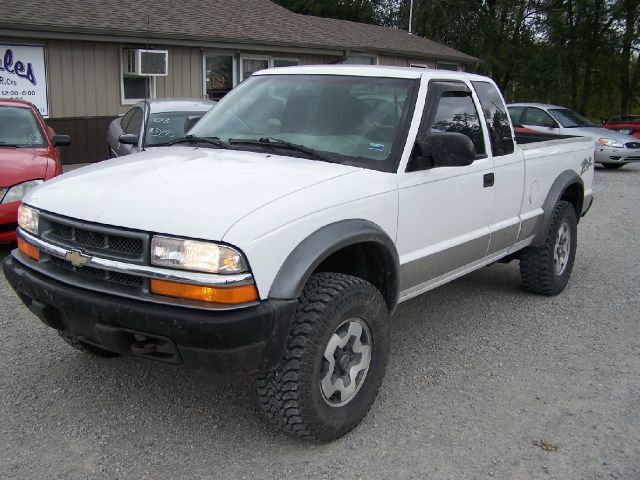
[[29, 250], [227, 296]]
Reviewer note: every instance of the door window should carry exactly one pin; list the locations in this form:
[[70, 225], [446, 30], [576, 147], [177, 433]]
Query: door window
[[457, 113], [538, 118], [124, 121], [135, 123], [497, 119]]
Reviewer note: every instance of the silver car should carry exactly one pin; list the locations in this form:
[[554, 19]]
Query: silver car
[[613, 149], [154, 122]]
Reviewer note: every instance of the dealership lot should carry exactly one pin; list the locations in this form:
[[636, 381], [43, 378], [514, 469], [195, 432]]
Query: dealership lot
[[484, 381]]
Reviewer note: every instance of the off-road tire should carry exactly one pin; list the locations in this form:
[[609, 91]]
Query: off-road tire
[[85, 347], [613, 166], [537, 267], [290, 395]]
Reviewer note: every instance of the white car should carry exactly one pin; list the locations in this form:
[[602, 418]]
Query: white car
[[613, 149], [278, 237]]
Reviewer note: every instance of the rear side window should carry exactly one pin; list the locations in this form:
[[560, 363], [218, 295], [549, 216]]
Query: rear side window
[[538, 118], [516, 114], [495, 112], [457, 113]]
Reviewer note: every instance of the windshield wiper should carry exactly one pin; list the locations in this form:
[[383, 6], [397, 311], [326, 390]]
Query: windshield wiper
[[194, 139], [277, 143]]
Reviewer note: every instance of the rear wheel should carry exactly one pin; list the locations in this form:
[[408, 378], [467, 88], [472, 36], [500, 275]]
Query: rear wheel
[[85, 347], [546, 269], [335, 359], [613, 166]]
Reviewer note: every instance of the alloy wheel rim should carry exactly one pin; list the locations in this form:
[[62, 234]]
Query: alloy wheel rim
[[562, 249], [345, 362]]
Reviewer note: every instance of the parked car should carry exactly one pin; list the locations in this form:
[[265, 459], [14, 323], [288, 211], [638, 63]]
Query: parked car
[[28, 157], [627, 125], [613, 149], [154, 122], [281, 246]]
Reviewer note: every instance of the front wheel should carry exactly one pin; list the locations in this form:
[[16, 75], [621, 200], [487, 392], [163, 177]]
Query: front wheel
[[335, 359], [546, 269]]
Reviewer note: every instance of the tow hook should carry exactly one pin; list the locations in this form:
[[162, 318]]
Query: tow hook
[[143, 347]]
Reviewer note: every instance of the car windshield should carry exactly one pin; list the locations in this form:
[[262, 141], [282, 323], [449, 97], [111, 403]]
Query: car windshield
[[332, 117], [569, 119], [20, 128], [164, 127]]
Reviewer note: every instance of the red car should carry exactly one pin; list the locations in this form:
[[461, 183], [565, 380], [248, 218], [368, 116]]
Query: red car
[[28, 157], [627, 125]]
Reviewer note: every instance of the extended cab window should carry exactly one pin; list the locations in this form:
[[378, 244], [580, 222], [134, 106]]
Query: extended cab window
[[457, 113], [538, 118], [497, 118]]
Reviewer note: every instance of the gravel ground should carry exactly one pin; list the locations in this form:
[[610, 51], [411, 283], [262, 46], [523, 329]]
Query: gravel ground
[[484, 381]]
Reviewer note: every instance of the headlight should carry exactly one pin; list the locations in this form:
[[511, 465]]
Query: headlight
[[197, 256], [17, 192], [28, 219], [610, 143]]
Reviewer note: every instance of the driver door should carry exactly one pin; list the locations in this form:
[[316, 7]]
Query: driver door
[[444, 211]]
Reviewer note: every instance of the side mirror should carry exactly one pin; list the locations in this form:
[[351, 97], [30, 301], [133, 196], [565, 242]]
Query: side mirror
[[61, 140], [190, 121], [449, 149], [128, 139]]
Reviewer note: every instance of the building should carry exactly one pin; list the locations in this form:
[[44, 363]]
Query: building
[[73, 58]]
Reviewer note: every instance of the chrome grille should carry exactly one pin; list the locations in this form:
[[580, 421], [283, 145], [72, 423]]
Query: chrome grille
[[96, 239], [111, 243], [632, 145], [114, 277]]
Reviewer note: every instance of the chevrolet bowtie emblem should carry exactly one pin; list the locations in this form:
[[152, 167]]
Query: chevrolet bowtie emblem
[[77, 258]]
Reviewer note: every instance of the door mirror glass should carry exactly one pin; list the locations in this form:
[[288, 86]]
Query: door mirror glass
[[61, 140], [128, 139]]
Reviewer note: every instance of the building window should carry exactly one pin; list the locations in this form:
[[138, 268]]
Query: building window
[[284, 62], [252, 64], [133, 88], [358, 59], [447, 66], [418, 65], [219, 74]]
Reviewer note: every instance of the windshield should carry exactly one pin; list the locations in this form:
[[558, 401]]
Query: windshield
[[342, 118], [19, 128], [569, 119], [166, 126]]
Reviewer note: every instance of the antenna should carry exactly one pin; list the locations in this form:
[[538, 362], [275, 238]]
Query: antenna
[[410, 14], [147, 93]]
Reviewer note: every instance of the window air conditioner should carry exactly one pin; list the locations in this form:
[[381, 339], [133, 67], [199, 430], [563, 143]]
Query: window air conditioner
[[148, 63]]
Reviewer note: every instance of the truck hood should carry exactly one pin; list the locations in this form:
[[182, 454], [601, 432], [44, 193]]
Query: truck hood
[[184, 191], [21, 164], [597, 133]]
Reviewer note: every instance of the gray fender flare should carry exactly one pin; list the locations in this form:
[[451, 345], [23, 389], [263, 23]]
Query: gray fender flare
[[305, 258], [559, 186]]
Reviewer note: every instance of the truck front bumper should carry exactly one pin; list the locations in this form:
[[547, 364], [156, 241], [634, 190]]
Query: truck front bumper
[[246, 340]]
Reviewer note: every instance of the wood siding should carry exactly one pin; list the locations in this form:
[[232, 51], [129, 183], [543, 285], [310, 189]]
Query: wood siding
[[185, 74], [88, 138], [83, 79]]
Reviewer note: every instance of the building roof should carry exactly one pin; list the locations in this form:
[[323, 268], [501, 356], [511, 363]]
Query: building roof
[[226, 21]]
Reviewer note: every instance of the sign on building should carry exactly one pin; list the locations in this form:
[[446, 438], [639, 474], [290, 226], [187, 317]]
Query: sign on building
[[23, 76]]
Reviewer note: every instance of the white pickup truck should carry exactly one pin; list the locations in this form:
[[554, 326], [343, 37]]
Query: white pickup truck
[[278, 237]]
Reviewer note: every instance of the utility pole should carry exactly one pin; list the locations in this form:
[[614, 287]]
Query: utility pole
[[410, 14]]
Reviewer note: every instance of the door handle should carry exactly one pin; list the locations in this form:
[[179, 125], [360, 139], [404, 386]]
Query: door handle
[[488, 180]]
